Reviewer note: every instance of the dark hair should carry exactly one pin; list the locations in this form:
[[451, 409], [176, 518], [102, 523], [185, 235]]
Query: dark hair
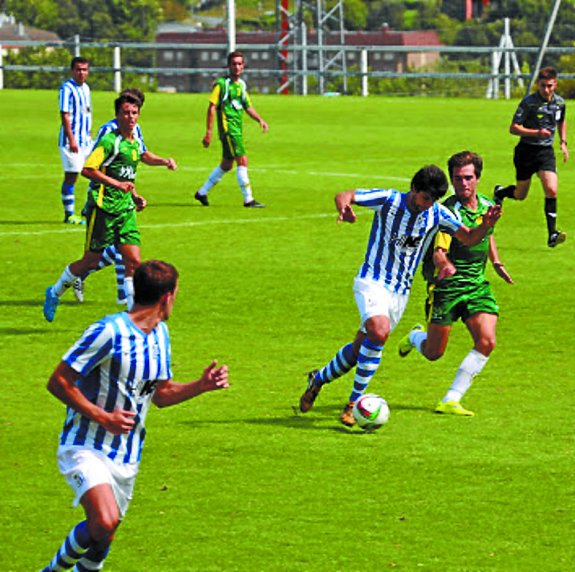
[[78, 60], [235, 54], [464, 158], [126, 98], [153, 279], [135, 92], [547, 73], [430, 179]]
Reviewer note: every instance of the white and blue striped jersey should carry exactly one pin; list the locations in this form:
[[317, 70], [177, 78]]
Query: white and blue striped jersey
[[120, 366], [112, 125], [399, 237], [76, 100]]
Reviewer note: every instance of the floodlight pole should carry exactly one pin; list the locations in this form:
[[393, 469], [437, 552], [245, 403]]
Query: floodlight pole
[[231, 13], [541, 53]]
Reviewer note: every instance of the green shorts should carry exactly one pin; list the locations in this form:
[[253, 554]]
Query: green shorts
[[445, 306], [232, 145], [105, 229]]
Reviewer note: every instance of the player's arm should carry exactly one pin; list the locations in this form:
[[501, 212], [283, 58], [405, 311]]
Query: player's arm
[[498, 266], [445, 268], [256, 117], [562, 130], [169, 392], [63, 385], [343, 202], [73, 144], [473, 236], [149, 158], [91, 170]]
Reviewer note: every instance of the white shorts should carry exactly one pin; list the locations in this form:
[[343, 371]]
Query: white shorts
[[84, 469], [374, 299], [73, 162]]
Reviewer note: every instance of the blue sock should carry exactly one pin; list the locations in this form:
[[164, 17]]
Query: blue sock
[[120, 276], [68, 199], [74, 547], [367, 363], [343, 362], [93, 559]]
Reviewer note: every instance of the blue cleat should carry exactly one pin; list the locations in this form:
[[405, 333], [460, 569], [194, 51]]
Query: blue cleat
[[50, 304]]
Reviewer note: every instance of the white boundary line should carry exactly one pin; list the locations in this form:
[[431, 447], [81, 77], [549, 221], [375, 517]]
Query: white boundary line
[[188, 224]]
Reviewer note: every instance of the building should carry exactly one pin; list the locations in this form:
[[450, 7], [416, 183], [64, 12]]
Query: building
[[193, 49]]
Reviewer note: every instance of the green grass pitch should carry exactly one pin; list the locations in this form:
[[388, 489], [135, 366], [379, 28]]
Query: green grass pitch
[[236, 480]]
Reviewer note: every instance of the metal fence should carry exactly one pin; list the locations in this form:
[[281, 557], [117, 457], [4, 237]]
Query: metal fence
[[493, 73]]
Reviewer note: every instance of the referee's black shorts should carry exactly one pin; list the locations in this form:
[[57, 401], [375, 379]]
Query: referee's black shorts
[[530, 159]]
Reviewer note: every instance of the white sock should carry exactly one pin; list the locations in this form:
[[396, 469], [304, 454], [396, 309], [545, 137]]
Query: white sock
[[64, 282], [129, 289], [472, 364], [214, 178], [417, 338], [244, 182]]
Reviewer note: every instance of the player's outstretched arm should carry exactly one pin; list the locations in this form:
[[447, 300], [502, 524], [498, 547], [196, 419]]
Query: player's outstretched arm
[[169, 392], [156, 161], [473, 236], [343, 202]]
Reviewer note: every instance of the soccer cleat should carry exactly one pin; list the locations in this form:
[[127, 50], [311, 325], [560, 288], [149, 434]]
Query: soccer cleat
[[453, 408], [74, 219], [307, 399], [202, 199], [500, 193], [405, 346], [254, 204], [50, 304], [78, 289], [555, 238], [346, 416]]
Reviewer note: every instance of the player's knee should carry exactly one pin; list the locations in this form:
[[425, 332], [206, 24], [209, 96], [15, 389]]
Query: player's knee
[[103, 528], [486, 345]]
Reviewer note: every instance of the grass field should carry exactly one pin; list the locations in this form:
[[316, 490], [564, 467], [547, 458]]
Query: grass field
[[236, 481]]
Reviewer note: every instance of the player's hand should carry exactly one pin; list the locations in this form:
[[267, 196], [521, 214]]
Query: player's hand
[[139, 201], [171, 164], [264, 126], [215, 377], [502, 273], [126, 186], [492, 215], [119, 421], [565, 152], [445, 272], [74, 147], [207, 140], [346, 214]]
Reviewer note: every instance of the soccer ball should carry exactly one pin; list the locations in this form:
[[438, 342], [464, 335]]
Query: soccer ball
[[370, 412]]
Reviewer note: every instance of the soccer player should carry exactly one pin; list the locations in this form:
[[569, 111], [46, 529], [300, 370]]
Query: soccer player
[[111, 254], [228, 101], [112, 202], [108, 379], [537, 118], [403, 225], [457, 287], [75, 139]]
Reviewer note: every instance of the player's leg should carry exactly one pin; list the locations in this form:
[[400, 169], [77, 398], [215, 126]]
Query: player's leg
[[244, 182], [216, 175], [550, 183], [433, 343], [343, 361], [75, 545], [482, 328], [131, 258]]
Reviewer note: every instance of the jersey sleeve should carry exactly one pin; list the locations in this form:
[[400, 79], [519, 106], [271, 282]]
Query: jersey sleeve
[[373, 198], [442, 240], [520, 113], [216, 92], [64, 99], [448, 222], [96, 157], [93, 347]]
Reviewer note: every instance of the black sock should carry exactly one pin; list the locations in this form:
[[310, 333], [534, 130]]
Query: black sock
[[551, 215]]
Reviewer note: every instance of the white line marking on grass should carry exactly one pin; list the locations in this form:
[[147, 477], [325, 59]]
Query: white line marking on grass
[[180, 224]]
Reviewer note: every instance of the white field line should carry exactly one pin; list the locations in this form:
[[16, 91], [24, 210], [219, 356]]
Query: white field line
[[189, 224]]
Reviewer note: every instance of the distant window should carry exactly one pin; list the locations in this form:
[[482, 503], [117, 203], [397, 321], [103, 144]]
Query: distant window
[[388, 57], [351, 56], [265, 55], [204, 56], [255, 56], [377, 56], [168, 56], [180, 55], [216, 56]]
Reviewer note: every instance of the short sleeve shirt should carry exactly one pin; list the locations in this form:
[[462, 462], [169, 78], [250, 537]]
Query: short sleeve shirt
[[231, 98], [534, 112]]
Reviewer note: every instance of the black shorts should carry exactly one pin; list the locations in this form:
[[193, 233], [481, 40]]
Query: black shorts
[[530, 159]]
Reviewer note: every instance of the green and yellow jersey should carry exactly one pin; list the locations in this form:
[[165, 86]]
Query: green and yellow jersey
[[470, 261], [231, 98], [118, 158]]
